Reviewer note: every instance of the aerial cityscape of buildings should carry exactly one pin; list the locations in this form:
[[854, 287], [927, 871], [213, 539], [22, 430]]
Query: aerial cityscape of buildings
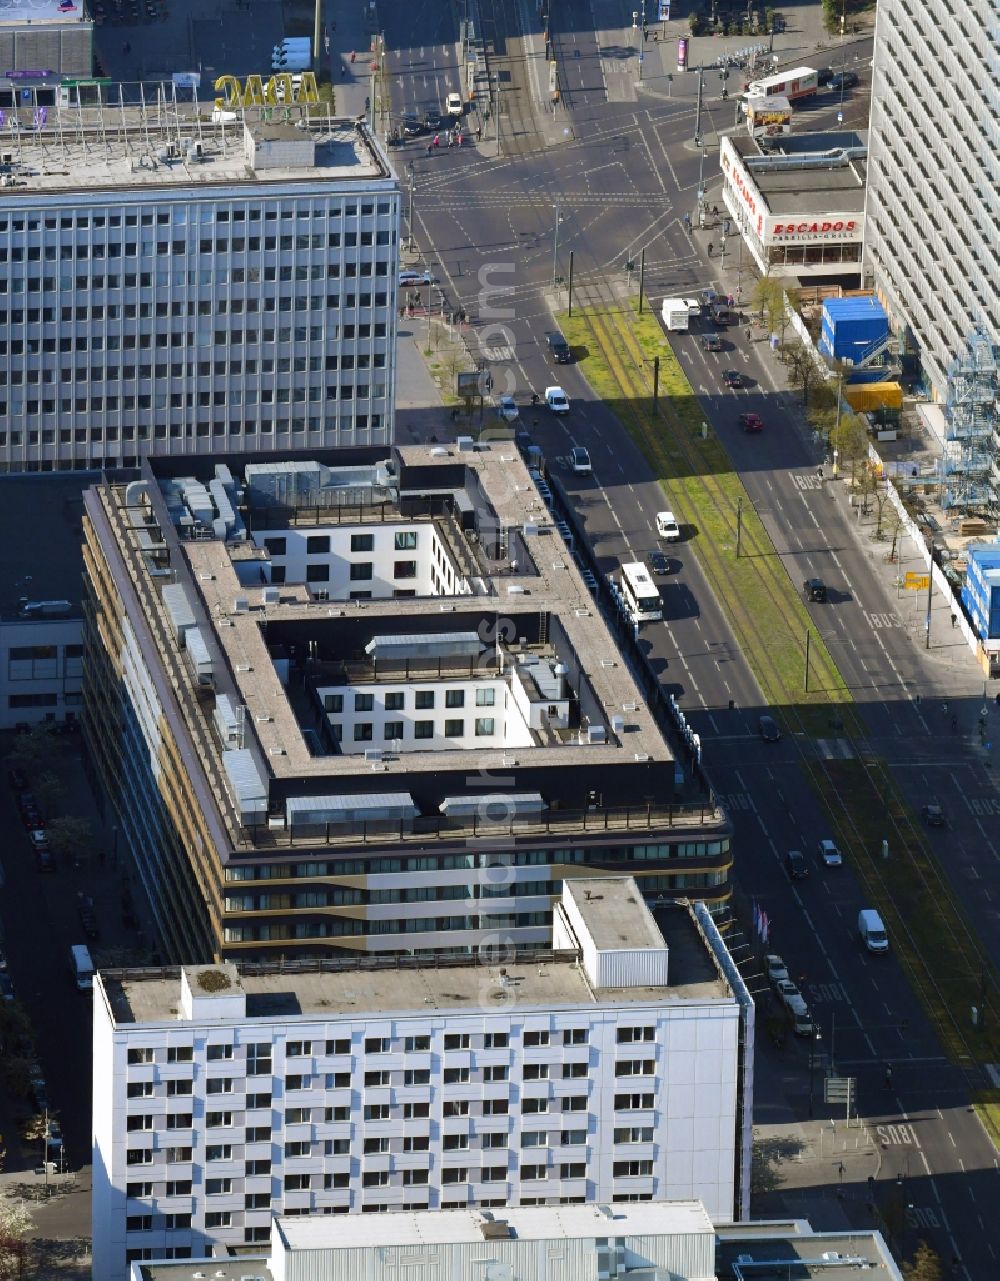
[[430, 872]]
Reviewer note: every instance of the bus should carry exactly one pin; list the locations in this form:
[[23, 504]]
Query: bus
[[640, 595], [81, 966], [799, 82]]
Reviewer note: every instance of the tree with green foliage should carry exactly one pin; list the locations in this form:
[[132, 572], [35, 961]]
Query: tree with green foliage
[[71, 836], [850, 439], [924, 1266], [15, 1224], [36, 750], [49, 790], [768, 297]]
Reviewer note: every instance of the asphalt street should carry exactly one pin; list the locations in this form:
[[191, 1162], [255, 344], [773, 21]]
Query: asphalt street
[[497, 230]]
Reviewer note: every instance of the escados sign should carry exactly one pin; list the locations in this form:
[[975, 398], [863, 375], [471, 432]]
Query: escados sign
[[277, 91]]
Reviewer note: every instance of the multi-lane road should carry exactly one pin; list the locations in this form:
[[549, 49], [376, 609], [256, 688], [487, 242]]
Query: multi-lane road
[[606, 175]]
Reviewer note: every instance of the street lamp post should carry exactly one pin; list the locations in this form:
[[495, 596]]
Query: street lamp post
[[409, 215], [555, 248]]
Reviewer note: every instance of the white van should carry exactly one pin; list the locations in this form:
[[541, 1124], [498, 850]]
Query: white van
[[81, 966], [872, 930]]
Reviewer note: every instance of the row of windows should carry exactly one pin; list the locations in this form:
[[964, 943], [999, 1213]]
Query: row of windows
[[83, 250], [395, 700], [456, 862], [221, 338], [178, 216], [204, 278], [226, 368], [393, 731], [176, 431], [346, 897], [342, 927]]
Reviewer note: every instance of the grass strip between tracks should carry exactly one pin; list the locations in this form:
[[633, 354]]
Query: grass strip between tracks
[[987, 1105], [931, 937]]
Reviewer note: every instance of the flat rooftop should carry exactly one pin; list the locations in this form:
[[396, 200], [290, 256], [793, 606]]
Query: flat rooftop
[[401, 985], [238, 1269], [42, 12], [124, 149], [797, 1253], [615, 913], [41, 540], [788, 188], [525, 1223]]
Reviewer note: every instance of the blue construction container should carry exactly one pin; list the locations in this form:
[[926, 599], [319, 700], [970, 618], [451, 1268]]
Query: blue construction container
[[852, 328], [981, 592]]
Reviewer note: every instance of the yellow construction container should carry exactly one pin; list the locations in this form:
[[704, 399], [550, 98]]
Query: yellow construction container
[[866, 397]]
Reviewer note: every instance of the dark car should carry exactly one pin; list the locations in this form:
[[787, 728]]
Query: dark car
[[733, 378], [815, 589], [44, 862], [434, 121], [711, 342], [933, 815], [796, 865], [659, 563], [558, 347], [768, 729], [824, 76], [844, 80], [87, 915], [751, 423], [412, 125]]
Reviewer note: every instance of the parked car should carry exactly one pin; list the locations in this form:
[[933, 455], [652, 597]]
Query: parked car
[[815, 589], [39, 839], [557, 400], [776, 967], [733, 378], [830, 854], [796, 865], [88, 917], [751, 423], [667, 527], [787, 991], [768, 729]]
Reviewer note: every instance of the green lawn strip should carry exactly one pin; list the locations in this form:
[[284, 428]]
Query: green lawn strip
[[925, 924], [987, 1105], [761, 580]]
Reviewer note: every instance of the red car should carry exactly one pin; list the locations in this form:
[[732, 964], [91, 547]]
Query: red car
[[751, 423]]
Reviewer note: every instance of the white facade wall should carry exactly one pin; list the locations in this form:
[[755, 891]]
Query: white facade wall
[[499, 723], [196, 319], [639, 1102], [41, 670], [406, 557], [934, 175]]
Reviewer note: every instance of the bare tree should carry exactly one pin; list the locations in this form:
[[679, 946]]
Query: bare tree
[[15, 1224]]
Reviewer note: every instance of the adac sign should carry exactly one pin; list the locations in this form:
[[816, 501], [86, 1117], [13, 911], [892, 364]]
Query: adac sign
[[279, 91]]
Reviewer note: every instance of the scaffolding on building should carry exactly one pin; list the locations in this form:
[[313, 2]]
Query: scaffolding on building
[[972, 428]]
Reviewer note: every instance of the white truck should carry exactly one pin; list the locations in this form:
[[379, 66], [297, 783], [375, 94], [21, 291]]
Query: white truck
[[799, 82], [676, 315], [81, 967]]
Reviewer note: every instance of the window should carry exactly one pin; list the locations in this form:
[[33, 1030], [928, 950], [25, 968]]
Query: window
[[336, 1181], [180, 1054], [374, 1146], [423, 699], [296, 1049], [363, 731], [417, 1076], [536, 1071], [532, 1107], [378, 1078], [298, 1082], [456, 1142], [635, 1067], [138, 1223], [454, 728], [496, 1040], [406, 542], [135, 1123], [411, 1177], [257, 1134], [175, 1088], [573, 1170], [258, 1100], [536, 1038], [219, 1085], [494, 1140], [416, 1143], [298, 1182], [632, 1169], [217, 1052], [404, 569], [495, 1107], [416, 1043], [361, 571], [137, 1190], [218, 1120], [495, 1072], [417, 1111], [574, 1103], [375, 1179], [259, 1060], [634, 1134], [633, 1102], [179, 1121], [219, 1152], [392, 731], [629, 1035], [298, 1148], [275, 546], [533, 1172], [140, 1056], [572, 1138], [575, 1036], [377, 1045], [218, 1219], [342, 1046], [535, 1139], [140, 1156], [454, 698], [139, 1089], [455, 1107], [179, 1187], [456, 1075], [573, 1070], [317, 544], [395, 701], [484, 726], [423, 729], [218, 1187], [485, 697], [460, 1175], [364, 702], [456, 1041], [362, 542], [257, 1201], [260, 1166], [318, 573], [376, 1111]]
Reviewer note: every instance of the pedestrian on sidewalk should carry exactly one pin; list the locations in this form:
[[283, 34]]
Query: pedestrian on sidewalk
[[888, 1078], [711, 247], [479, 133], [954, 619], [430, 148], [353, 56], [437, 140]]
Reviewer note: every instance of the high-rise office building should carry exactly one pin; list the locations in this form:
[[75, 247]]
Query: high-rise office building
[[616, 1065], [932, 250], [185, 283], [372, 708]]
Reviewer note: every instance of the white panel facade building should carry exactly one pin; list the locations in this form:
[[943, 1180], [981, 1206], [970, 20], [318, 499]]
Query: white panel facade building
[[933, 175], [221, 1098], [189, 287]]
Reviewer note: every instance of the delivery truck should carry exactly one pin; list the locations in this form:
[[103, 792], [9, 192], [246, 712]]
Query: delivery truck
[[768, 115], [676, 315], [800, 82]]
